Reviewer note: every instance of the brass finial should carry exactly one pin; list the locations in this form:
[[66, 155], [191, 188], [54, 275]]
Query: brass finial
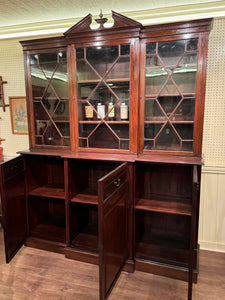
[[101, 20]]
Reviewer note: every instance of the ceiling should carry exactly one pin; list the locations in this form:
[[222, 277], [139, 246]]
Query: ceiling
[[15, 15]]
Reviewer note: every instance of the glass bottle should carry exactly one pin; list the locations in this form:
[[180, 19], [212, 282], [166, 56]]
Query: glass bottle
[[88, 112], [101, 107], [123, 111], [111, 110]]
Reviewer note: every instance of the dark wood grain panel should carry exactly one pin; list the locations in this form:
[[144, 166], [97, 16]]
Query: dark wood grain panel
[[164, 206]]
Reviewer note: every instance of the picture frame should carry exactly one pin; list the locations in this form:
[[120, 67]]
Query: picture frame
[[18, 114]]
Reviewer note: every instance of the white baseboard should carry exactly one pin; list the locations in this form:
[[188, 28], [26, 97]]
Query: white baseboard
[[211, 246]]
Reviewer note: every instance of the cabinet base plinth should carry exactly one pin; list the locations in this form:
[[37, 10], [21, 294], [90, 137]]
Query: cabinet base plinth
[[88, 257], [129, 266], [45, 245], [180, 273]]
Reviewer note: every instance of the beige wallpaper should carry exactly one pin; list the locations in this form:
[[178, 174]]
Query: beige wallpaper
[[214, 117], [12, 71]]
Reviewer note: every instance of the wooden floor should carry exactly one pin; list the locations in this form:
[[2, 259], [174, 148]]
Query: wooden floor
[[40, 275]]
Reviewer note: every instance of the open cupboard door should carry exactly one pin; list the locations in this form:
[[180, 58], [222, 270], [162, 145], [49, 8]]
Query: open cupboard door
[[13, 200], [113, 191]]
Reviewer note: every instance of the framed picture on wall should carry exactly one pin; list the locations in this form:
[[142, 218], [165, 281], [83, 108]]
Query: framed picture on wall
[[18, 113]]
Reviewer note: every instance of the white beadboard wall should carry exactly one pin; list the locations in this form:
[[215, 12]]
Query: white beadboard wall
[[212, 208]]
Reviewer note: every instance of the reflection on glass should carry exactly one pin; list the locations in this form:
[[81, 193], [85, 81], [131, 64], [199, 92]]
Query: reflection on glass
[[80, 53], [61, 111], [154, 81], [148, 144], [171, 51], [85, 72], [108, 138], [125, 50], [192, 45], [187, 146], [186, 110], [167, 139], [121, 130], [121, 69], [185, 131], [151, 130], [151, 48], [153, 111], [52, 135], [64, 128], [153, 61], [47, 58], [95, 57], [169, 103]]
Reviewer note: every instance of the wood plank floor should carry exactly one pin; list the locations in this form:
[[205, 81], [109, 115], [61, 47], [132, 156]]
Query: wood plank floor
[[40, 275]]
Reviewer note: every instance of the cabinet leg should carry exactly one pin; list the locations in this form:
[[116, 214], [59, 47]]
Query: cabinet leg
[[190, 281]]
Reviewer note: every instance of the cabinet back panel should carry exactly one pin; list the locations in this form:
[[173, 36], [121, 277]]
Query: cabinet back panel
[[84, 227], [157, 181], [44, 210], [162, 237], [162, 229], [44, 171], [84, 175]]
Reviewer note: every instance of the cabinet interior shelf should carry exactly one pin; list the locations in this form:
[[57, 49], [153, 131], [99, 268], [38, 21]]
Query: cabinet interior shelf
[[50, 98], [173, 122], [169, 207], [150, 97], [85, 198], [55, 120], [109, 122], [93, 81], [48, 191]]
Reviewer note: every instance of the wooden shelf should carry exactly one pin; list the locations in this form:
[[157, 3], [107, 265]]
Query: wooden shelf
[[153, 96], [48, 191], [92, 81], [50, 98], [54, 120], [165, 121], [108, 122], [169, 207], [85, 198]]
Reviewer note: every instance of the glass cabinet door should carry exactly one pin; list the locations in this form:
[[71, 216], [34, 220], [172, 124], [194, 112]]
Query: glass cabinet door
[[170, 94], [103, 92], [50, 98]]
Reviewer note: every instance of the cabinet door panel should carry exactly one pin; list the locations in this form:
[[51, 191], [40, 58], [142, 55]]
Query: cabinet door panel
[[13, 199], [170, 95], [103, 96], [113, 244]]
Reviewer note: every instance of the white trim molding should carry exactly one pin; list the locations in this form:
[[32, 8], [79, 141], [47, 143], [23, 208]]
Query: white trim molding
[[146, 17], [213, 169]]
